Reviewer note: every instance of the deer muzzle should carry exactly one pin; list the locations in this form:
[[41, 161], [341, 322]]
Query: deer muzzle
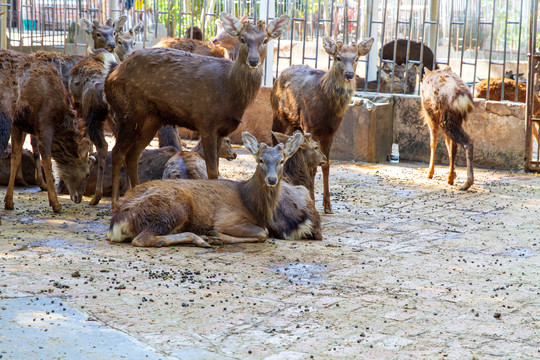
[[271, 181], [349, 76], [76, 198], [253, 62]]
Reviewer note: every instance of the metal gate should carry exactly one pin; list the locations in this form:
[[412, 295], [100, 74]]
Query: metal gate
[[532, 112]]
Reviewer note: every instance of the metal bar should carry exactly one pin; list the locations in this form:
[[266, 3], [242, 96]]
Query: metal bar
[[530, 164], [463, 42], [490, 48], [504, 52]]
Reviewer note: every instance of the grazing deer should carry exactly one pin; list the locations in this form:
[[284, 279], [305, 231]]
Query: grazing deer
[[415, 48], [103, 35], [191, 165], [446, 101], [315, 101], [86, 87], [296, 216], [33, 100], [161, 86], [125, 41], [170, 212], [225, 40]]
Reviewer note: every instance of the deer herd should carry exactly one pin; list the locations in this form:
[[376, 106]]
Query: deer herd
[[172, 196]]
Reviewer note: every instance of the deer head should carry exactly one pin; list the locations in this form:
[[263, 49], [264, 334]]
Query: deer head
[[103, 35], [253, 39], [346, 56], [400, 83], [270, 160], [309, 149], [76, 171], [126, 40], [226, 151]]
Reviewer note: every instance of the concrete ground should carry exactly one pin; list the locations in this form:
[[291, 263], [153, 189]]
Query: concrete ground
[[409, 268]]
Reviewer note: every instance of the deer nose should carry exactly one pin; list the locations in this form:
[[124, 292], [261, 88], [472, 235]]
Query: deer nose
[[253, 62], [271, 181], [349, 76], [111, 45], [76, 198], [215, 41]]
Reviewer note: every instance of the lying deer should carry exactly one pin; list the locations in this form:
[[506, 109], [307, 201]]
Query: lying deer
[[201, 93], [415, 50], [33, 100], [315, 101], [191, 165], [446, 101], [170, 212], [404, 78]]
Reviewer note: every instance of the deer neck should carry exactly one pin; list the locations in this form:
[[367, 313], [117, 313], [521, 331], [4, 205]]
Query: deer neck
[[243, 83], [260, 199], [338, 91], [66, 141], [297, 171]]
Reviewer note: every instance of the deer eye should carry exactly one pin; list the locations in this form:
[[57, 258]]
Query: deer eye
[[265, 41], [338, 58], [261, 161], [281, 162], [242, 40]]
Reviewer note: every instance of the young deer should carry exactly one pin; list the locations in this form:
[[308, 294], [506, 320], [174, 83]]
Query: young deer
[[225, 40], [446, 101], [315, 101], [191, 165], [161, 86], [33, 100], [86, 87], [125, 41], [170, 212], [103, 35], [404, 80]]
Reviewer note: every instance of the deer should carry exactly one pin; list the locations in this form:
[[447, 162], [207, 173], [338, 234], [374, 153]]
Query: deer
[[194, 32], [446, 102], [170, 212], [296, 216], [415, 48], [404, 78], [193, 46], [86, 87], [103, 36], [191, 165], [225, 40], [315, 101], [125, 41], [33, 100], [163, 86]]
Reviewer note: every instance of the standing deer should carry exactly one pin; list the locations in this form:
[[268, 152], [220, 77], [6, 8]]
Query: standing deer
[[225, 40], [170, 212], [103, 35], [446, 101], [125, 41], [191, 165], [161, 86], [315, 101], [33, 100]]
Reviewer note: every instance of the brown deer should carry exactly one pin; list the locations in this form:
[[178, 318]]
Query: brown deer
[[446, 101], [296, 216], [86, 87], [33, 99], [194, 32], [103, 35], [225, 40], [193, 46], [191, 165], [415, 48], [170, 212], [125, 41], [404, 78], [161, 86], [61, 62], [315, 101]]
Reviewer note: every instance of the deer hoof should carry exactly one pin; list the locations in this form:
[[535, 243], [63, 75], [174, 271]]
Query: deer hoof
[[215, 241], [328, 209], [56, 207], [467, 185], [8, 204], [95, 200]]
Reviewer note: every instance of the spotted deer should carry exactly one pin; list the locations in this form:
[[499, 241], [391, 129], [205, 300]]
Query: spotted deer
[[446, 101], [125, 41], [103, 35], [170, 212], [315, 101]]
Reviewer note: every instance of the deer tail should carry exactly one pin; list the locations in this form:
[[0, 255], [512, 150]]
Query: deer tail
[[463, 103]]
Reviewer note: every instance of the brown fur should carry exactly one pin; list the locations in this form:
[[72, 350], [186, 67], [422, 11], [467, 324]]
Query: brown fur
[[415, 48], [191, 165], [193, 46], [446, 101], [161, 86], [125, 41], [225, 40], [315, 101], [34, 101], [153, 212], [495, 89], [194, 32], [86, 86], [27, 169], [61, 62]]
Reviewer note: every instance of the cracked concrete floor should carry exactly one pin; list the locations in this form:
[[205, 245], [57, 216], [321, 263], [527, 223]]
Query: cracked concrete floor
[[409, 268]]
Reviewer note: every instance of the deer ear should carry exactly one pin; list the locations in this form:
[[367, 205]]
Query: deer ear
[[244, 18], [250, 142], [230, 24], [292, 145], [118, 24], [109, 22], [135, 30], [85, 147], [364, 47], [329, 45], [280, 137], [277, 26], [92, 160], [86, 25]]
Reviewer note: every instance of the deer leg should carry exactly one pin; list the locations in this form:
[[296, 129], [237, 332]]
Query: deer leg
[[470, 175], [433, 132], [209, 143], [98, 138], [17, 141], [147, 239], [118, 158], [37, 161], [326, 144], [44, 149], [451, 146], [242, 233]]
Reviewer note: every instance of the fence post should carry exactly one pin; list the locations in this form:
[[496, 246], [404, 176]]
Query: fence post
[[268, 10], [372, 9], [3, 27]]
